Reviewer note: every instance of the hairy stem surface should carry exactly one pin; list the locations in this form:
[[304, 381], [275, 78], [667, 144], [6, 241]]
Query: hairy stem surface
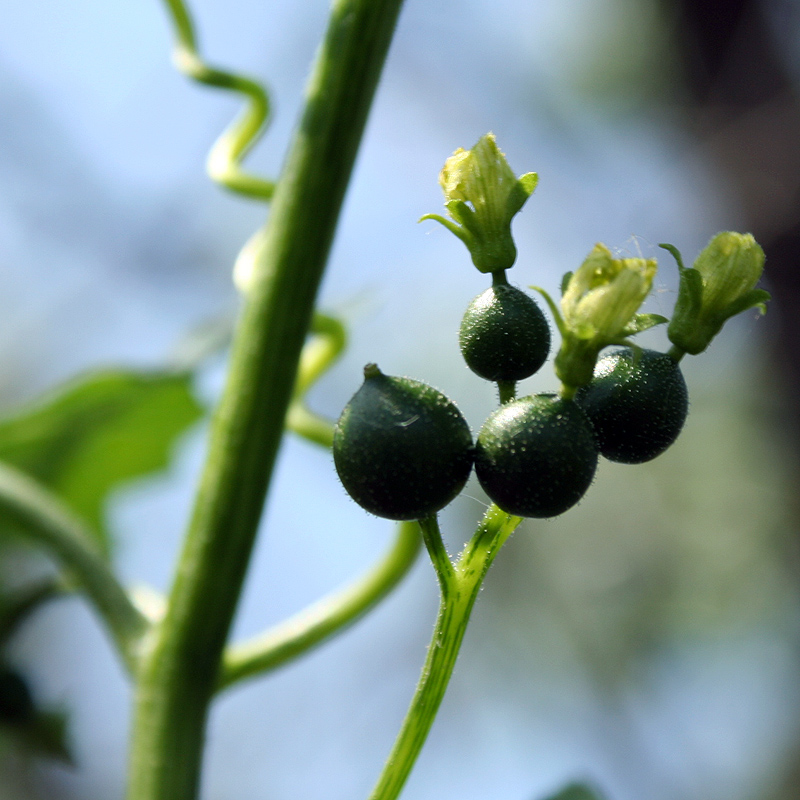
[[459, 586]]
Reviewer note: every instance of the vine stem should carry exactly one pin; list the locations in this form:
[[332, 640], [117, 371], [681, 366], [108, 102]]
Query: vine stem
[[459, 585], [326, 617], [181, 665], [43, 518]]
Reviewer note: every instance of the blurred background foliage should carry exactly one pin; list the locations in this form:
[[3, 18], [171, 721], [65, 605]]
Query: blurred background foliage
[[648, 641]]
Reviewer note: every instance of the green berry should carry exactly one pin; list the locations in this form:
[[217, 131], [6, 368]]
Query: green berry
[[637, 407], [536, 456], [401, 448], [504, 335]]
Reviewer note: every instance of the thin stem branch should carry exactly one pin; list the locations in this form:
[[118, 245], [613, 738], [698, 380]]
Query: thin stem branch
[[320, 352], [459, 590], [324, 347], [499, 278], [432, 537], [42, 517], [181, 670], [451, 625], [326, 618]]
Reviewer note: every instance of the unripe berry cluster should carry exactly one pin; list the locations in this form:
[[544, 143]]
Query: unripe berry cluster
[[404, 451]]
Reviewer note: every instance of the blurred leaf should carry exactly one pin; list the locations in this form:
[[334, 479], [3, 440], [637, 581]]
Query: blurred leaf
[[576, 791], [97, 432]]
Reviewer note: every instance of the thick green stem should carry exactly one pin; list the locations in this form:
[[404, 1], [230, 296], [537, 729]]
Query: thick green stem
[[459, 585], [180, 671]]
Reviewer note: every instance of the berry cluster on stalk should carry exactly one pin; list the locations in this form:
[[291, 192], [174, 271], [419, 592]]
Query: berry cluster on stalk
[[404, 451]]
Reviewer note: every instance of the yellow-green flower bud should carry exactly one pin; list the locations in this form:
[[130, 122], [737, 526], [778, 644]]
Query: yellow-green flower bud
[[604, 294], [482, 196], [598, 308], [720, 285]]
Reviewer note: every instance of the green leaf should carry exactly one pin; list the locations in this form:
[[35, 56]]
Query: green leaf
[[93, 434], [462, 212], [577, 791]]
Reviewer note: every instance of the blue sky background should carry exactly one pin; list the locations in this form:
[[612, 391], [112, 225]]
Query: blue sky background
[[113, 245]]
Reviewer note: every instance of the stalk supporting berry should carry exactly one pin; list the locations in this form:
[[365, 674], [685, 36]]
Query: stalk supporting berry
[[637, 403], [459, 584]]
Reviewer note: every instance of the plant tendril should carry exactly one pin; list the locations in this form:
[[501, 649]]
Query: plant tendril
[[232, 146]]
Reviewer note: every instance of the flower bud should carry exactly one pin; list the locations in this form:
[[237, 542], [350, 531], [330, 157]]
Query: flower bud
[[604, 294], [599, 308], [482, 196], [720, 285]]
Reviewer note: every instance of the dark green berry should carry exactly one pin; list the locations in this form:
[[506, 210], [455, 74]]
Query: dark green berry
[[637, 407], [16, 703], [504, 335], [401, 448], [536, 456]]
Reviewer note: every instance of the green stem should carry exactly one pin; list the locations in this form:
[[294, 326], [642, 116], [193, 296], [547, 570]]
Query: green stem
[[507, 391], [676, 353], [451, 625], [326, 618], [499, 278], [42, 517], [567, 392], [432, 537], [459, 589], [181, 669]]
